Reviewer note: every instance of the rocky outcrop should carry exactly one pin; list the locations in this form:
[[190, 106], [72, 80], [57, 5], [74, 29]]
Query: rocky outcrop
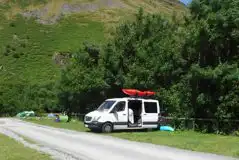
[[42, 14]]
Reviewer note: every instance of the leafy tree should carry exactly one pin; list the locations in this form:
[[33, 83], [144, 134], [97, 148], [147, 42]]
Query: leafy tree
[[81, 81]]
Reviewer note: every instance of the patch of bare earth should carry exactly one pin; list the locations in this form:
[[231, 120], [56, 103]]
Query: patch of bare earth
[[50, 14], [61, 59]]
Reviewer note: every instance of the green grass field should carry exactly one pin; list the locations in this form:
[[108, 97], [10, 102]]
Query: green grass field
[[224, 145], [12, 150], [27, 47]]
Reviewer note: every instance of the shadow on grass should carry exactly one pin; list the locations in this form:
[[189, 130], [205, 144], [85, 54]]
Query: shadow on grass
[[123, 131]]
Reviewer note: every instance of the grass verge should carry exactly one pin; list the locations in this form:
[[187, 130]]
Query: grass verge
[[211, 143], [73, 125], [12, 150]]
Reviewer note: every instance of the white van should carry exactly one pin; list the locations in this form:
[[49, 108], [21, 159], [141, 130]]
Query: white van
[[124, 113]]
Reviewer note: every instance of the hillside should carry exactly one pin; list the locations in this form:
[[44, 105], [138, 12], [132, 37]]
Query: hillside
[[32, 31]]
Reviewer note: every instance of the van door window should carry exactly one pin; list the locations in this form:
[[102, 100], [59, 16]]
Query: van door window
[[120, 106], [106, 105], [150, 107]]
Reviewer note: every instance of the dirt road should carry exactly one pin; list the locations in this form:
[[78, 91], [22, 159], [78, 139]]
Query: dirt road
[[71, 145]]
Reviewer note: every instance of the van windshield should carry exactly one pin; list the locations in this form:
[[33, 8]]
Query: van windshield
[[106, 105]]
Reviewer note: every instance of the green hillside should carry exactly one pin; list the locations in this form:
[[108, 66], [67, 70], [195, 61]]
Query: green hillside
[[32, 31], [37, 35]]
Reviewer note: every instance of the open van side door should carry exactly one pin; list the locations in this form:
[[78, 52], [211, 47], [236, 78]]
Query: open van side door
[[150, 114], [120, 115]]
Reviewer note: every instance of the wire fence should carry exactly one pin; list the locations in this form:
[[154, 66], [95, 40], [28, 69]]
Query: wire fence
[[78, 116], [219, 126], [226, 126]]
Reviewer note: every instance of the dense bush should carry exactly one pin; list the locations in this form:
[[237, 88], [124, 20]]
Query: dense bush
[[16, 98]]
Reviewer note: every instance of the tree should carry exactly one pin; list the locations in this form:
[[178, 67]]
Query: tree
[[211, 51], [80, 80]]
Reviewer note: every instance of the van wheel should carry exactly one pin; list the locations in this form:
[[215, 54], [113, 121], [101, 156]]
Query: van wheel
[[107, 128]]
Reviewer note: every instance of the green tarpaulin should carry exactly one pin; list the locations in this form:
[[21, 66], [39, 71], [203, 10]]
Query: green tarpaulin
[[63, 118], [26, 114]]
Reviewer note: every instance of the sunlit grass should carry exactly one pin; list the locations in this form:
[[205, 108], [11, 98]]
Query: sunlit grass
[[30, 46], [13, 150]]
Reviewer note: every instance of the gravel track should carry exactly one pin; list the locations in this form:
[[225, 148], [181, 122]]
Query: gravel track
[[65, 144]]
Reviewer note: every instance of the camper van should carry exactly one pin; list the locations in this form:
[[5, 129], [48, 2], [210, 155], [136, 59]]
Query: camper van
[[134, 112]]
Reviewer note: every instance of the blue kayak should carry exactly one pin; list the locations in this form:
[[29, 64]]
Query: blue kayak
[[166, 128]]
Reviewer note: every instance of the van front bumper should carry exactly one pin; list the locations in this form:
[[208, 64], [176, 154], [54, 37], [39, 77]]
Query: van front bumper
[[93, 125]]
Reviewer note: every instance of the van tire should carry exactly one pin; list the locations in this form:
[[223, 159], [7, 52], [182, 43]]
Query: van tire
[[107, 127]]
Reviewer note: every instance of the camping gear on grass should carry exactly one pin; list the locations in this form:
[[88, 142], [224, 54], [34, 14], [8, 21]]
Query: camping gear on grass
[[63, 118], [51, 115], [57, 118], [25, 114], [166, 128]]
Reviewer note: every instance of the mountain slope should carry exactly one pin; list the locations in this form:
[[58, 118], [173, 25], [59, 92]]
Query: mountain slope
[[33, 31]]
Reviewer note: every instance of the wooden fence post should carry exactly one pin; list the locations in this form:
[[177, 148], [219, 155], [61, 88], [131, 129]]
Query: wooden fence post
[[193, 124], [217, 124]]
